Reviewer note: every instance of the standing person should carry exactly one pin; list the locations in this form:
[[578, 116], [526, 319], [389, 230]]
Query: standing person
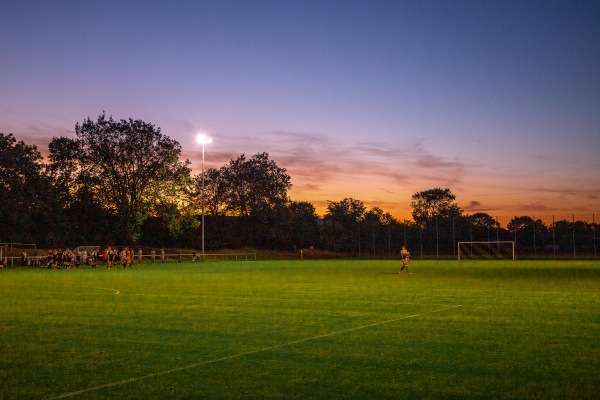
[[77, 258], [140, 256], [162, 256], [122, 256], [93, 259], [110, 258], [49, 259], [104, 255], [405, 260], [127, 257], [58, 257], [153, 255], [68, 258]]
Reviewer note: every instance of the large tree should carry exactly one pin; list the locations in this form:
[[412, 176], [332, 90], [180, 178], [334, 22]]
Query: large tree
[[373, 220], [483, 220], [531, 235], [78, 217], [303, 223], [250, 193], [23, 189], [342, 225], [433, 203], [251, 185], [216, 188], [130, 167]]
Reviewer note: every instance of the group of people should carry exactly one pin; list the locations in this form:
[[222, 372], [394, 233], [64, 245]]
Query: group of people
[[125, 257], [67, 258]]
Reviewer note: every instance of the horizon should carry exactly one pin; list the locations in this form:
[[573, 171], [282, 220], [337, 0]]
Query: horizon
[[502, 218]]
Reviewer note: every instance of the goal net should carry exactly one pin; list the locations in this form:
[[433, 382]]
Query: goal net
[[16, 249], [496, 250], [88, 249]]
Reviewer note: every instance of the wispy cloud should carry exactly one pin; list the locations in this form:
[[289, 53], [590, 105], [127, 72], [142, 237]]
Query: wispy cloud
[[381, 173], [565, 193]]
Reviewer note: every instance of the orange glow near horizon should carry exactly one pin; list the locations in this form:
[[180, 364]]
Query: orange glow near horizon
[[502, 198], [377, 190]]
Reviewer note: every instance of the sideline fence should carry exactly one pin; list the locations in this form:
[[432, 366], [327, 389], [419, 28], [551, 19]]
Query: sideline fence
[[565, 236], [41, 261], [537, 236], [207, 256]]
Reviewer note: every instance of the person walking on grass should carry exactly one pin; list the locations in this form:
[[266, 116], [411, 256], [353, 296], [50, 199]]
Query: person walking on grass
[[405, 260]]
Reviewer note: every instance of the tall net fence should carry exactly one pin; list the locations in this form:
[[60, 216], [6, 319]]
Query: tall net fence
[[564, 236], [543, 236]]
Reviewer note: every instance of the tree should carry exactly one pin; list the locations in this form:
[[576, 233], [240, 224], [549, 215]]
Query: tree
[[433, 203], [249, 195], [341, 225], [562, 231], [129, 166], [64, 164], [215, 191], [529, 234], [373, 219], [23, 185], [302, 224], [520, 223], [347, 210], [483, 220], [252, 185]]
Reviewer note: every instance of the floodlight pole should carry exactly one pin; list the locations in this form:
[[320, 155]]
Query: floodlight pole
[[202, 139]]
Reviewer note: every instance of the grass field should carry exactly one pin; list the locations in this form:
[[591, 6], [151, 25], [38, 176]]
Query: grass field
[[303, 330]]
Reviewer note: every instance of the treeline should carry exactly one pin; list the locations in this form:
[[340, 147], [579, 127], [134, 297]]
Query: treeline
[[124, 183]]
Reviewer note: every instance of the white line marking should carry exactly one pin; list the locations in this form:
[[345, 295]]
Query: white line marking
[[125, 381], [114, 290], [73, 292]]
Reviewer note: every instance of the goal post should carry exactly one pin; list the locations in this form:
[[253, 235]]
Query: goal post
[[497, 250]]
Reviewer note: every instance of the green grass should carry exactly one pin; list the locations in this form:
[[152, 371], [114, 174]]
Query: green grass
[[303, 330]]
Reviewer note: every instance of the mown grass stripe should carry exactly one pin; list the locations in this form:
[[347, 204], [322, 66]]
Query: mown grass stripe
[[198, 364]]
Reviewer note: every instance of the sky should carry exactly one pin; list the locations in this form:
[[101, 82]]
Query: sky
[[498, 101]]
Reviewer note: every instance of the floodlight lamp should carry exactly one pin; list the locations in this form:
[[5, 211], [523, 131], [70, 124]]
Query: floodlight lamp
[[203, 139]]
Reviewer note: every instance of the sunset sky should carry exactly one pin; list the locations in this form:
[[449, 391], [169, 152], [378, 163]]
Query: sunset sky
[[375, 100]]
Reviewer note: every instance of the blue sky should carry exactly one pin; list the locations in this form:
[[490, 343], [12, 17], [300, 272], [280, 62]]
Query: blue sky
[[375, 100]]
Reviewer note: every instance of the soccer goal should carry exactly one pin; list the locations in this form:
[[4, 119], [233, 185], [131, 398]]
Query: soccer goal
[[88, 249], [497, 250]]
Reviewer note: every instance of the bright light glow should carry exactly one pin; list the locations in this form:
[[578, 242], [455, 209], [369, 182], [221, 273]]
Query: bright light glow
[[203, 139]]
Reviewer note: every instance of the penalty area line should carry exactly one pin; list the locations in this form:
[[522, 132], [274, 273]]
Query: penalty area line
[[216, 360]]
